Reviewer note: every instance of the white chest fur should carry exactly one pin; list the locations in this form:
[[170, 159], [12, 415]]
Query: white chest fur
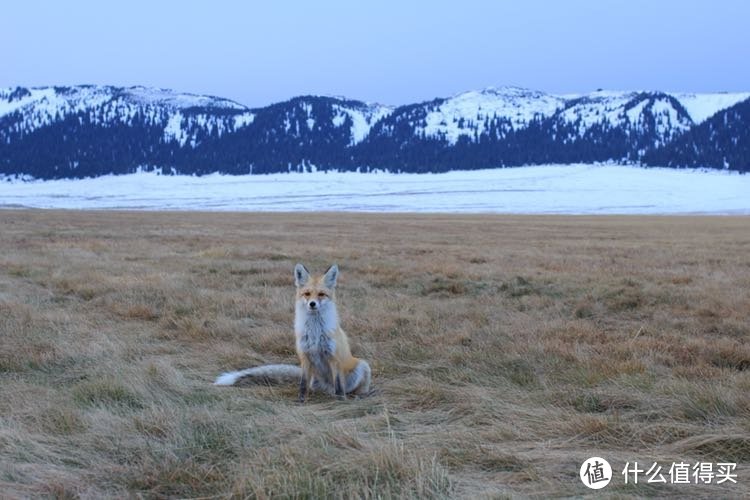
[[314, 332]]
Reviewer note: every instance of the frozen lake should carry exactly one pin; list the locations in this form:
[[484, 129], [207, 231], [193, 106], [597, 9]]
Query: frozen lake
[[568, 189]]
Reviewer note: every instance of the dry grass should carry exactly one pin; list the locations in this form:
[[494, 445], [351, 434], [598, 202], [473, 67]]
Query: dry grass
[[505, 351]]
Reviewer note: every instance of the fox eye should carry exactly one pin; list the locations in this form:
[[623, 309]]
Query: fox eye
[[321, 295], [307, 294]]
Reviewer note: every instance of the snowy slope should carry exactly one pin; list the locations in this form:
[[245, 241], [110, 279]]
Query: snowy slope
[[29, 109], [308, 113], [176, 100], [596, 107], [722, 141], [609, 103], [37, 107], [468, 112], [81, 97], [633, 111], [572, 189], [703, 106], [362, 117]]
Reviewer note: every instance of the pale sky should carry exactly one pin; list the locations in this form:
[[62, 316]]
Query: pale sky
[[393, 52]]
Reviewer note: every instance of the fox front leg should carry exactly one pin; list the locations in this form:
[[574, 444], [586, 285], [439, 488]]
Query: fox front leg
[[338, 386], [304, 382], [302, 388]]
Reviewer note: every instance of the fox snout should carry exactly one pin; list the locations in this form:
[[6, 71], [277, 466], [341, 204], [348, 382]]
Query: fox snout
[[313, 304]]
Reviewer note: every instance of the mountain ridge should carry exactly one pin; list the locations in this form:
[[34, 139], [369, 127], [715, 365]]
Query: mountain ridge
[[91, 130]]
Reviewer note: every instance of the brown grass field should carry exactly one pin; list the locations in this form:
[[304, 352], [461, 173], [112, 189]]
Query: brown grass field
[[505, 350]]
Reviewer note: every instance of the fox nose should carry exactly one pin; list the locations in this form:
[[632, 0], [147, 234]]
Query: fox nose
[[313, 304]]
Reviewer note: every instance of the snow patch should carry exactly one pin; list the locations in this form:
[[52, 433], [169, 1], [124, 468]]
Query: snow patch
[[362, 119], [339, 119], [243, 120], [174, 131]]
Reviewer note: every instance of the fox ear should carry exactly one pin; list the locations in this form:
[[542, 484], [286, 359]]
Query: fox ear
[[301, 275], [330, 277]]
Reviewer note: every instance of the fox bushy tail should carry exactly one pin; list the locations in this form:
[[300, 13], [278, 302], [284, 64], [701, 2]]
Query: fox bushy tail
[[262, 374]]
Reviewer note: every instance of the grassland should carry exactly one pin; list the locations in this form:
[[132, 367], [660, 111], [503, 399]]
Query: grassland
[[505, 351]]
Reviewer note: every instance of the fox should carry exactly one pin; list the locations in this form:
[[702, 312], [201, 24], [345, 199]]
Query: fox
[[325, 359]]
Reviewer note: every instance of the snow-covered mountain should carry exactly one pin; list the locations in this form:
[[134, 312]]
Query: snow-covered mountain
[[25, 110], [81, 131], [511, 126], [512, 108]]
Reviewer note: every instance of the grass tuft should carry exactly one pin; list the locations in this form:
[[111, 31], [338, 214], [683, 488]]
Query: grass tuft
[[105, 392]]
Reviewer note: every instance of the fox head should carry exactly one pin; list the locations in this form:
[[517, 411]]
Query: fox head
[[316, 293]]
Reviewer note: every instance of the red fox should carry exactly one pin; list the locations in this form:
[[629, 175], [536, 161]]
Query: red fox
[[326, 363]]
